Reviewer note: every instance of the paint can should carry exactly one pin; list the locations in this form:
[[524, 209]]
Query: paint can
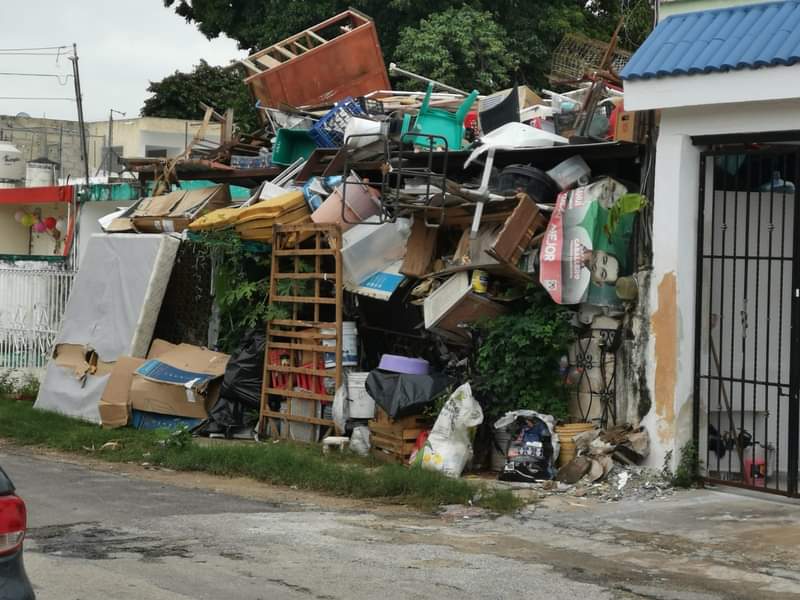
[[480, 281]]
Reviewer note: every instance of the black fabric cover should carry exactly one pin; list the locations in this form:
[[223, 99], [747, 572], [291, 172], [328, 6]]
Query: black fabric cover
[[401, 395]]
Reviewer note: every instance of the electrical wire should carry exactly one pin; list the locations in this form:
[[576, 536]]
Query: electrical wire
[[36, 98], [62, 79], [31, 49]]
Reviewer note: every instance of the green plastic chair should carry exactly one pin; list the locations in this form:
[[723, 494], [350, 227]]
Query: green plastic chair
[[437, 121]]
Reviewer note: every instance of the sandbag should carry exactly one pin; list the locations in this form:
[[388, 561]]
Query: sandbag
[[448, 448]]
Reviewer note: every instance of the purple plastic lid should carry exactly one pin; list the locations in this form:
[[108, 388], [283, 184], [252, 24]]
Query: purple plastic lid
[[404, 364]]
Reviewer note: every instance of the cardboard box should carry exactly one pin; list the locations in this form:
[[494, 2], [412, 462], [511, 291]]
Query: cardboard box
[[174, 212], [115, 408], [455, 302], [183, 381], [628, 129]]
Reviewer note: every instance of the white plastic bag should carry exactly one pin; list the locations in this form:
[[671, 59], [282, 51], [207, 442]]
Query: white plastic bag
[[341, 409], [359, 440], [449, 448]]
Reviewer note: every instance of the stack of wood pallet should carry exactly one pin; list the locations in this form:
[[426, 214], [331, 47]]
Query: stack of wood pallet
[[393, 440]]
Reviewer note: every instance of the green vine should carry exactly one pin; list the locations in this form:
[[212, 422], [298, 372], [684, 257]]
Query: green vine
[[241, 283], [518, 361]]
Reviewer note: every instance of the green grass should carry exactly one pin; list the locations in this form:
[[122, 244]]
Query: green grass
[[284, 463]]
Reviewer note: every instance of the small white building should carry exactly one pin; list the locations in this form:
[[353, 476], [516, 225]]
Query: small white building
[[724, 344]]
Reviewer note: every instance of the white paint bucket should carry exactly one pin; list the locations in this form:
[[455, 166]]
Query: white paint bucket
[[362, 406]]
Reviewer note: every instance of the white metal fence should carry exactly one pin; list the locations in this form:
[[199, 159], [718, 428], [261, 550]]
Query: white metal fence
[[32, 303]]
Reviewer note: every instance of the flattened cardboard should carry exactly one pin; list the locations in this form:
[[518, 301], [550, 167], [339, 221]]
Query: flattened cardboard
[[159, 348], [114, 403], [175, 211], [174, 399]]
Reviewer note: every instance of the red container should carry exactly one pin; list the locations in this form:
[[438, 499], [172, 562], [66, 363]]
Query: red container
[[755, 472]]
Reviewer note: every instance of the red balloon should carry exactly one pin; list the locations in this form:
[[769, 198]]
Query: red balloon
[[50, 222]]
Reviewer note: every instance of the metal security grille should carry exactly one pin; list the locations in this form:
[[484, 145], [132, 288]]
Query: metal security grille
[[746, 350], [32, 303]]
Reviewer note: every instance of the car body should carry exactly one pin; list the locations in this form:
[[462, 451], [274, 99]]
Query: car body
[[14, 582]]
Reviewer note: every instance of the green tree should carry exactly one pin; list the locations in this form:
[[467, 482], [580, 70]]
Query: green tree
[[179, 95], [529, 30], [445, 47]]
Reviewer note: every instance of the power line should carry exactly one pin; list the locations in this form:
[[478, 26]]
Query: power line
[[62, 79], [31, 49], [31, 53], [36, 98]]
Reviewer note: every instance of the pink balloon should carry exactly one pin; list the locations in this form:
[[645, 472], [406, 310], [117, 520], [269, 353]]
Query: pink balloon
[[39, 227]]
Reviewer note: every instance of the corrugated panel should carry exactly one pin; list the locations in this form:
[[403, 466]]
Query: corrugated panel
[[741, 37]]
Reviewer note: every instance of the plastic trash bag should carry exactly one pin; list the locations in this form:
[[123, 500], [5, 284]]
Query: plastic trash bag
[[534, 446], [359, 440], [449, 448], [245, 371], [402, 395]]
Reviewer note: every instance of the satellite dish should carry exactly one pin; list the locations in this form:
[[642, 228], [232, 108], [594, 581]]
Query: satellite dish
[[23, 115]]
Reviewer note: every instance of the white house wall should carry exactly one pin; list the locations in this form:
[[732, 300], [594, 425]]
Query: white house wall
[[730, 88], [670, 348]]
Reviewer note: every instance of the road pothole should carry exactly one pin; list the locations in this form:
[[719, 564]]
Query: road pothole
[[92, 542]]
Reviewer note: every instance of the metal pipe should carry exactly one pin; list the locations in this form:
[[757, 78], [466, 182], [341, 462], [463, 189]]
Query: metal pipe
[[394, 69]]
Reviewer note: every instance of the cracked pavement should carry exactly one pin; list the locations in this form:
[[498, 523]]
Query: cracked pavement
[[98, 533]]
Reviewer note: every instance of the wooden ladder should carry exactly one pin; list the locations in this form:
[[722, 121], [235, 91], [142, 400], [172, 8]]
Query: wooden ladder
[[294, 365]]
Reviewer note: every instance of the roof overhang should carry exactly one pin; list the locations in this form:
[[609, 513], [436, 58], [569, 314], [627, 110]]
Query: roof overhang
[[731, 87]]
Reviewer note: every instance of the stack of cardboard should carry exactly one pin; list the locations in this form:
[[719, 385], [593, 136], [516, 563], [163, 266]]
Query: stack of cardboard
[[175, 380], [255, 222]]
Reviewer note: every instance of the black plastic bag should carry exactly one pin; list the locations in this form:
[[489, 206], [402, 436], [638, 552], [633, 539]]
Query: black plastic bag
[[245, 371], [401, 395]]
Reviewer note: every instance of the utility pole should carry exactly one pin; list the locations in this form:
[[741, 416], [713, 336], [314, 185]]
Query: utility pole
[[79, 101], [109, 141]]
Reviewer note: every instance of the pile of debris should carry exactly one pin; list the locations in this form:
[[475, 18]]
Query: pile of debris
[[395, 221]]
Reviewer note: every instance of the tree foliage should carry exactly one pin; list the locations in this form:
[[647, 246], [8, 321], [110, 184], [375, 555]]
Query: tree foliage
[[179, 95], [467, 31], [445, 48]]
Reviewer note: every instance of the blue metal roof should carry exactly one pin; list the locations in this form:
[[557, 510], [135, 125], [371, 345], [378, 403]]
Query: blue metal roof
[[740, 37]]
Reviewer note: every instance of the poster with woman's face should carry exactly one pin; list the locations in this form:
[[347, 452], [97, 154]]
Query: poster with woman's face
[[579, 261]]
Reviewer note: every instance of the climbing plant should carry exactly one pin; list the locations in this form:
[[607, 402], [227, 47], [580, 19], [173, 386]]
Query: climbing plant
[[519, 357]]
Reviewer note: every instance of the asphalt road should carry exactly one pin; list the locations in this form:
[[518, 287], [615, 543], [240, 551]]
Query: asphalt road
[[95, 534]]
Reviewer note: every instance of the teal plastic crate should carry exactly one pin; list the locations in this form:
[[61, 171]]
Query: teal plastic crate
[[291, 144]]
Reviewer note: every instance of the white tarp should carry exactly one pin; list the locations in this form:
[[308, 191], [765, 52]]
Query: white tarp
[[112, 310]]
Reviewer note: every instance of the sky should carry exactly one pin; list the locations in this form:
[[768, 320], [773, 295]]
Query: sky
[[123, 45]]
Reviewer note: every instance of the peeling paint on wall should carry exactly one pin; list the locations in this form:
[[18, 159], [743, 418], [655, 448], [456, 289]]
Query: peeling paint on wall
[[664, 327]]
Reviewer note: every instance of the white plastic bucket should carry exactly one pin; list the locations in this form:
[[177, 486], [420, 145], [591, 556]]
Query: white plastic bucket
[[349, 345], [362, 406]]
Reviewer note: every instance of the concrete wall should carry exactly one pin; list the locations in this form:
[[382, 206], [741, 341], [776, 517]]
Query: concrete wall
[[59, 140], [670, 349]]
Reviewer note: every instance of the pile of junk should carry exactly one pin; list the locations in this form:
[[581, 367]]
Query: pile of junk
[[396, 222]]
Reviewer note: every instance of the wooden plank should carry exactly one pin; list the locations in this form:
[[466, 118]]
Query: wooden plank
[[303, 300], [309, 347], [285, 52], [303, 371], [299, 394], [420, 249], [516, 234], [303, 252], [279, 416], [323, 276], [297, 323]]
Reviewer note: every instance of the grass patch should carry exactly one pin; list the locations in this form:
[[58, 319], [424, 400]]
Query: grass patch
[[284, 463]]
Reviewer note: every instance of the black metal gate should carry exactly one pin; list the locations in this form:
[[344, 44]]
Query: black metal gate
[[746, 329]]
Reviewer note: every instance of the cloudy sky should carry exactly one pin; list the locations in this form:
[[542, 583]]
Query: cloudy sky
[[122, 46]]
